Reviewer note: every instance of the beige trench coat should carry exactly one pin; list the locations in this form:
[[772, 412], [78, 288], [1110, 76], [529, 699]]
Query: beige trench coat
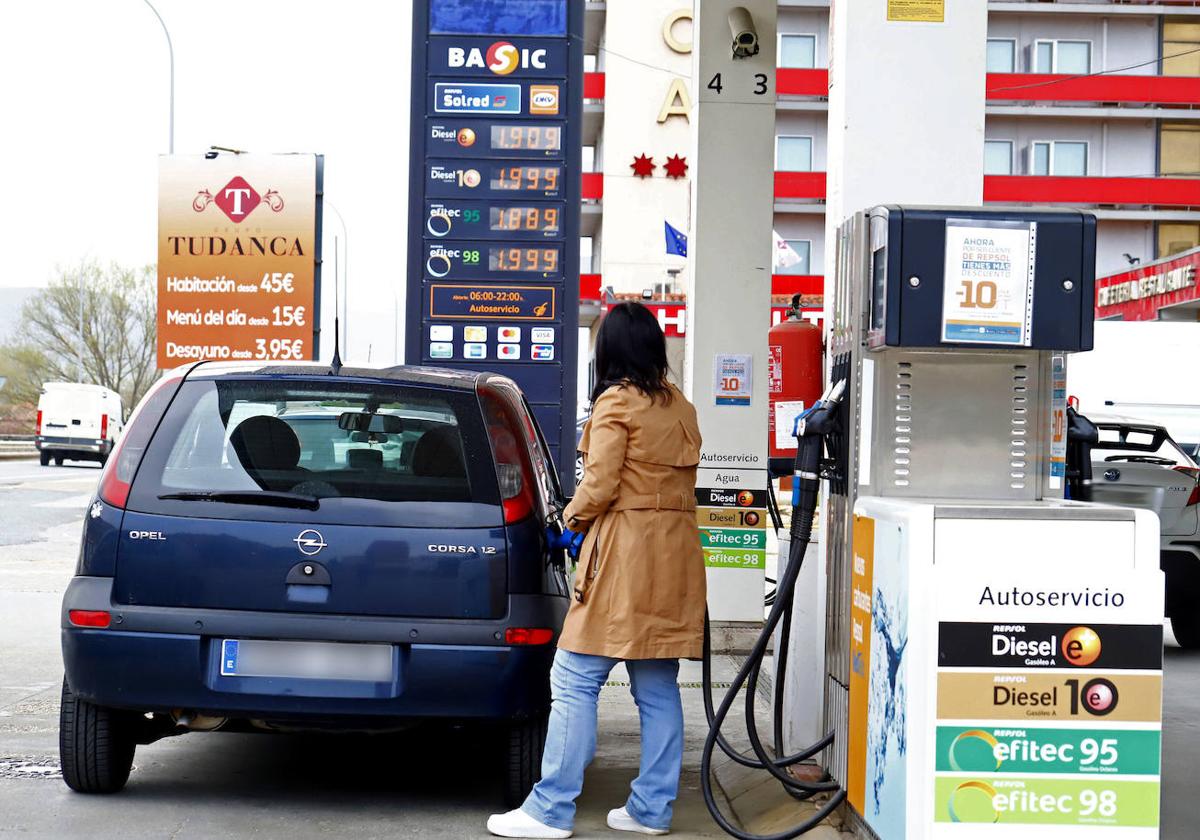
[[640, 583]]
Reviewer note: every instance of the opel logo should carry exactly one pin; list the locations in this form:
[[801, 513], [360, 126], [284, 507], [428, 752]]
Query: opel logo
[[309, 542]]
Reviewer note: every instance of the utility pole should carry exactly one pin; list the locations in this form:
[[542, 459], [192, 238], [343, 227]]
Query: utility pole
[[171, 56]]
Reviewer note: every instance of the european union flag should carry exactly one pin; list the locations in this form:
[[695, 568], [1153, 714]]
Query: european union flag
[[676, 241]]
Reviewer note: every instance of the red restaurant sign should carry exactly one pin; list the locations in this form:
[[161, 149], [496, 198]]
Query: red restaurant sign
[[1139, 294]]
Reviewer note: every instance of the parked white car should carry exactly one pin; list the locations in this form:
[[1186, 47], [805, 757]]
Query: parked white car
[[1138, 464], [77, 422]]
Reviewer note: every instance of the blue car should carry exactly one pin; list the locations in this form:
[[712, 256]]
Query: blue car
[[279, 547]]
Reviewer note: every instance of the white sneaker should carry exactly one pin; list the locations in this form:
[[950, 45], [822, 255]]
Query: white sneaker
[[619, 819], [516, 823]]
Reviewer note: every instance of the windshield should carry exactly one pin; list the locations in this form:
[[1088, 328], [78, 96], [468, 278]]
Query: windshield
[[227, 440]]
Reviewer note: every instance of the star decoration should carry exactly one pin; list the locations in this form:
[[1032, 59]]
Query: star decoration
[[642, 166], [676, 166]]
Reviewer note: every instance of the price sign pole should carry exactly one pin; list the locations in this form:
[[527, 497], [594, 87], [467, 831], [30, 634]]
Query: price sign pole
[[493, 257]]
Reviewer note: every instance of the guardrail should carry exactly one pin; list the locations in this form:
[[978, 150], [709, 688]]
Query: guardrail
[[13, 447]]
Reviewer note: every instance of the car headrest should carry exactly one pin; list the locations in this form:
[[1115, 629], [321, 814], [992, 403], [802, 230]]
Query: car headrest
[[265, 443], [438, 455], [364, 459]]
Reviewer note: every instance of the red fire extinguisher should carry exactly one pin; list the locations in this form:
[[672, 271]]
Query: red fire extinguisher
[[795, 374]]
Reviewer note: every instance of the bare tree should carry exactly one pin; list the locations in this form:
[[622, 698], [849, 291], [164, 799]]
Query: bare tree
[[93, 324]]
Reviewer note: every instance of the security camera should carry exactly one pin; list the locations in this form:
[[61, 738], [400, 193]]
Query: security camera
[[745, 37]]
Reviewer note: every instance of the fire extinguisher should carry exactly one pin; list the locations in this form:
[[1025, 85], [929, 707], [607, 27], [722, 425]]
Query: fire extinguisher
[[795, 374]]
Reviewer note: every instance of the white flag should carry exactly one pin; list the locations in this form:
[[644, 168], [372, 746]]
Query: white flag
[[785, 254]]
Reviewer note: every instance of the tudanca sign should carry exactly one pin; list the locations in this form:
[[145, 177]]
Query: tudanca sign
[[1140, 294], [238, 257]]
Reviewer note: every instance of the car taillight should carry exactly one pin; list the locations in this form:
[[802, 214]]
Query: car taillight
[[1194, 474], [514, 473], [527, 635], [103, 427], [89, 618], [117, 476], [39, 421]]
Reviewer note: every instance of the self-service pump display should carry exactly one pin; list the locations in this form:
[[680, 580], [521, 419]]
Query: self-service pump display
[[993, 649], [493, 262]]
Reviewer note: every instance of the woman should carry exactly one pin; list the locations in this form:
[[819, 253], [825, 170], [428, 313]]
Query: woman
[[639, 585]]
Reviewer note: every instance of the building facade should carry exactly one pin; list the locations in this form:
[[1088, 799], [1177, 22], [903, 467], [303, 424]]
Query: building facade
[[1090, 104]]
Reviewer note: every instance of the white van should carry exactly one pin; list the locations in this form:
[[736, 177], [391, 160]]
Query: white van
[[77, 422]]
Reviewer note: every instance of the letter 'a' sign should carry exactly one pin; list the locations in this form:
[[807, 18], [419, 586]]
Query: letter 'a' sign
[[238, 257], [494, 198]]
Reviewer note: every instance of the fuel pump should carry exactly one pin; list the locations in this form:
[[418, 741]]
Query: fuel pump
[[985, 632]]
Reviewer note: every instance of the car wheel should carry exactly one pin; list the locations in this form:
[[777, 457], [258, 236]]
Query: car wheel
[[95, 744], [526, 739], [44, 457], [1187, 630], [579, 469], [58, 459]]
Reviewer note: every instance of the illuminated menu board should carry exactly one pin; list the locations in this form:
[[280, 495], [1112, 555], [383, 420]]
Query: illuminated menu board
[[494, 198]]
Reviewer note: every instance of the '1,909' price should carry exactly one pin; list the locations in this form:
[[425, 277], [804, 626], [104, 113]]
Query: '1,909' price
[[279, 348]]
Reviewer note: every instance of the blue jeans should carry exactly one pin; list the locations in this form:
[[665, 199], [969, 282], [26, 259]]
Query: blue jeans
[[575, 682]]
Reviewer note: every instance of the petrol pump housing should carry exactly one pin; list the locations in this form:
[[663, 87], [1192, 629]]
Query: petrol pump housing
[[986, 637]]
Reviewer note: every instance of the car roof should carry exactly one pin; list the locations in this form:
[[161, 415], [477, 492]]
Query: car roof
[[1122, 420], [399, 374]]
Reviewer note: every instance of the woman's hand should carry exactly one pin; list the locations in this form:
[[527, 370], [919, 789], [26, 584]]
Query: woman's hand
[[566, 539]]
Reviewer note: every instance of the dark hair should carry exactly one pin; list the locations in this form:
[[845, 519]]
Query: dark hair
[[631, 350]]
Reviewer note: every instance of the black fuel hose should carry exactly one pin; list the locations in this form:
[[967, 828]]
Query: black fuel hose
[[818, 423]]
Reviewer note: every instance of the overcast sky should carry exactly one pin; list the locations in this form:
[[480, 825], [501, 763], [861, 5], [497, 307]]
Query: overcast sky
[[84, 105]]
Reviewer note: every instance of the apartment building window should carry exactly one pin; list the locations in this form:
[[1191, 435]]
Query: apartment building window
[[1058, 157], [1001, 55], [793, 153], [1179, 149], [1062, 57], [798, 51], [803, 249], [1175, 237], [1180, 42], [998, 157]]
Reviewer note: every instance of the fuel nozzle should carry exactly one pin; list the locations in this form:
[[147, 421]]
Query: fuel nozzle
[[812, 430]]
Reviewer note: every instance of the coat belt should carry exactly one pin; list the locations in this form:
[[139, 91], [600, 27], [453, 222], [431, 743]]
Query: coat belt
[[655, 501]]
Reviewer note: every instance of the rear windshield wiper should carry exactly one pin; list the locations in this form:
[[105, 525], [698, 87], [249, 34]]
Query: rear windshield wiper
[[248, 497]]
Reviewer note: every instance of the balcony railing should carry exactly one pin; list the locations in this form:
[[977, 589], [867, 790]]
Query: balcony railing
[[1008, 87]]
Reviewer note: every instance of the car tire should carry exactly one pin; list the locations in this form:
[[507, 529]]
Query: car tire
[[95, 744], [44, 457], [58, 460], [523, 768], [1187, 630]]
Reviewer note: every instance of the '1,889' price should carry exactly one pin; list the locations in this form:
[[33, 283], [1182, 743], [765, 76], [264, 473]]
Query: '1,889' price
[[284, 349]]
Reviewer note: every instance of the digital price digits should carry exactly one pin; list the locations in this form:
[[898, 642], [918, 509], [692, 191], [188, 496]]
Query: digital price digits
[[543, 219], [540, 138], [526, 178], [522, 259]]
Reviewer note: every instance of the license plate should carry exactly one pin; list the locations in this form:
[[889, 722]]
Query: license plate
[[306, 660]]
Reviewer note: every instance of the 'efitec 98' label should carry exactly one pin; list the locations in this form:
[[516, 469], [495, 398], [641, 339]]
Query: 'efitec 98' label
[[1044, 801]]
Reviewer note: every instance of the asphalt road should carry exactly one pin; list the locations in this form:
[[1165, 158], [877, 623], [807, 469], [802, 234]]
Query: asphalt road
[[419, 784]]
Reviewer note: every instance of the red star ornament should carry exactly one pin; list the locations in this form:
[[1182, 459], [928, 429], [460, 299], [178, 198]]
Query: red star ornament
[[642, 166], [676, 166]]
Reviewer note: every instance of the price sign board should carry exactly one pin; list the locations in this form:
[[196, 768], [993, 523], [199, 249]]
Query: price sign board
[[238, 257], [493, 279]]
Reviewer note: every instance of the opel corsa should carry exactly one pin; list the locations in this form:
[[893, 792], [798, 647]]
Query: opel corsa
[[287, 548]]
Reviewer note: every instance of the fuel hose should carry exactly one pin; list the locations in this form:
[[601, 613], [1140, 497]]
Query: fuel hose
[[812, 429]]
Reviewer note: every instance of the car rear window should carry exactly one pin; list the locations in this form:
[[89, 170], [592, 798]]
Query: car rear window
[[338, 443], [1145, 444]]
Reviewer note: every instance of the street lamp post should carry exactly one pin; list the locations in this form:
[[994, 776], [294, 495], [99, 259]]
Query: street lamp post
[[171, 54]]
